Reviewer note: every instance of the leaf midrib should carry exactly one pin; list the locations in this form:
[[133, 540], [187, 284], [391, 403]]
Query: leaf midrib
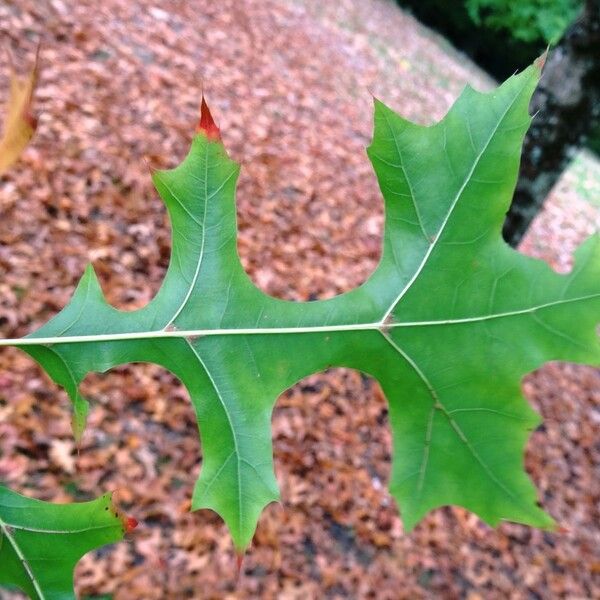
[[381, 325], [195, 333]]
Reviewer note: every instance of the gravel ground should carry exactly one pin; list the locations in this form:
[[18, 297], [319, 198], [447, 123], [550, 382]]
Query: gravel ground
[[290, 84]]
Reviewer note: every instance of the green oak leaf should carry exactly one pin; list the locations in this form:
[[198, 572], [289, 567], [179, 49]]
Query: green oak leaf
[[448, 323], [41, 542]]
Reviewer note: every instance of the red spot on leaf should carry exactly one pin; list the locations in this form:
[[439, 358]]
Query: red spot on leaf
[[207, 124]]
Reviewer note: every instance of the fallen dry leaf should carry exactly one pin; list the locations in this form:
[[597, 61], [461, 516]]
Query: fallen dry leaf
[[61, 454], [19, 124]]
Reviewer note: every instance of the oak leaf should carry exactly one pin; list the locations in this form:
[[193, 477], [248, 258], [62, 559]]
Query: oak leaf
[[448, 323]]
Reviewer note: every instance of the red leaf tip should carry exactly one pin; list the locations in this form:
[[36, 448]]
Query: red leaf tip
[[239, 561], [130, 524], [207, 124], [540, 61]]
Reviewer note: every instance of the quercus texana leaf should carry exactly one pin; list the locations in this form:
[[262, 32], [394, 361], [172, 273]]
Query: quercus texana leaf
[[41, 542], [19, 123], [448, 323]]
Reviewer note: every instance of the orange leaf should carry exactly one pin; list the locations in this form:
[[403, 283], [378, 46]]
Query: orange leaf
[[19, 124]]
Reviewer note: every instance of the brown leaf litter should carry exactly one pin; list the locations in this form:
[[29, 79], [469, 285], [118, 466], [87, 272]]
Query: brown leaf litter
[[290, 87]]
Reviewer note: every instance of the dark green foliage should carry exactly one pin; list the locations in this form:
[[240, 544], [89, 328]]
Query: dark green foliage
[[526, 20]]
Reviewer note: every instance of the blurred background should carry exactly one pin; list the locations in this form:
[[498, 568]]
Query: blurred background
[[290, 84]]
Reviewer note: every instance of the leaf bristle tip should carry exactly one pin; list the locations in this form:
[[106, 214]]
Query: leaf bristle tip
[[207, 125], [130, 524], [239, 562]]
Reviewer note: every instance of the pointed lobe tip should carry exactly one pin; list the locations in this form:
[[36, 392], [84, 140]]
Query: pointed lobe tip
[[239, 558], [130, 524], [540, 61], [207, 125]]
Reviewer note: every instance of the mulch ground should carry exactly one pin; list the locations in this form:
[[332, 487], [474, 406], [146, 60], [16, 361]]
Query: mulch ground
[[290, 84]]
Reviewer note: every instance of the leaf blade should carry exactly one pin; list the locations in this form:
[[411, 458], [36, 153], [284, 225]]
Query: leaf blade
[[44, 541], [458, 418]]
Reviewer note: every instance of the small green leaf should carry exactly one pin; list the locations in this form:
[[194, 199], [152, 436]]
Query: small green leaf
[[449, 322], [41, 542]]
